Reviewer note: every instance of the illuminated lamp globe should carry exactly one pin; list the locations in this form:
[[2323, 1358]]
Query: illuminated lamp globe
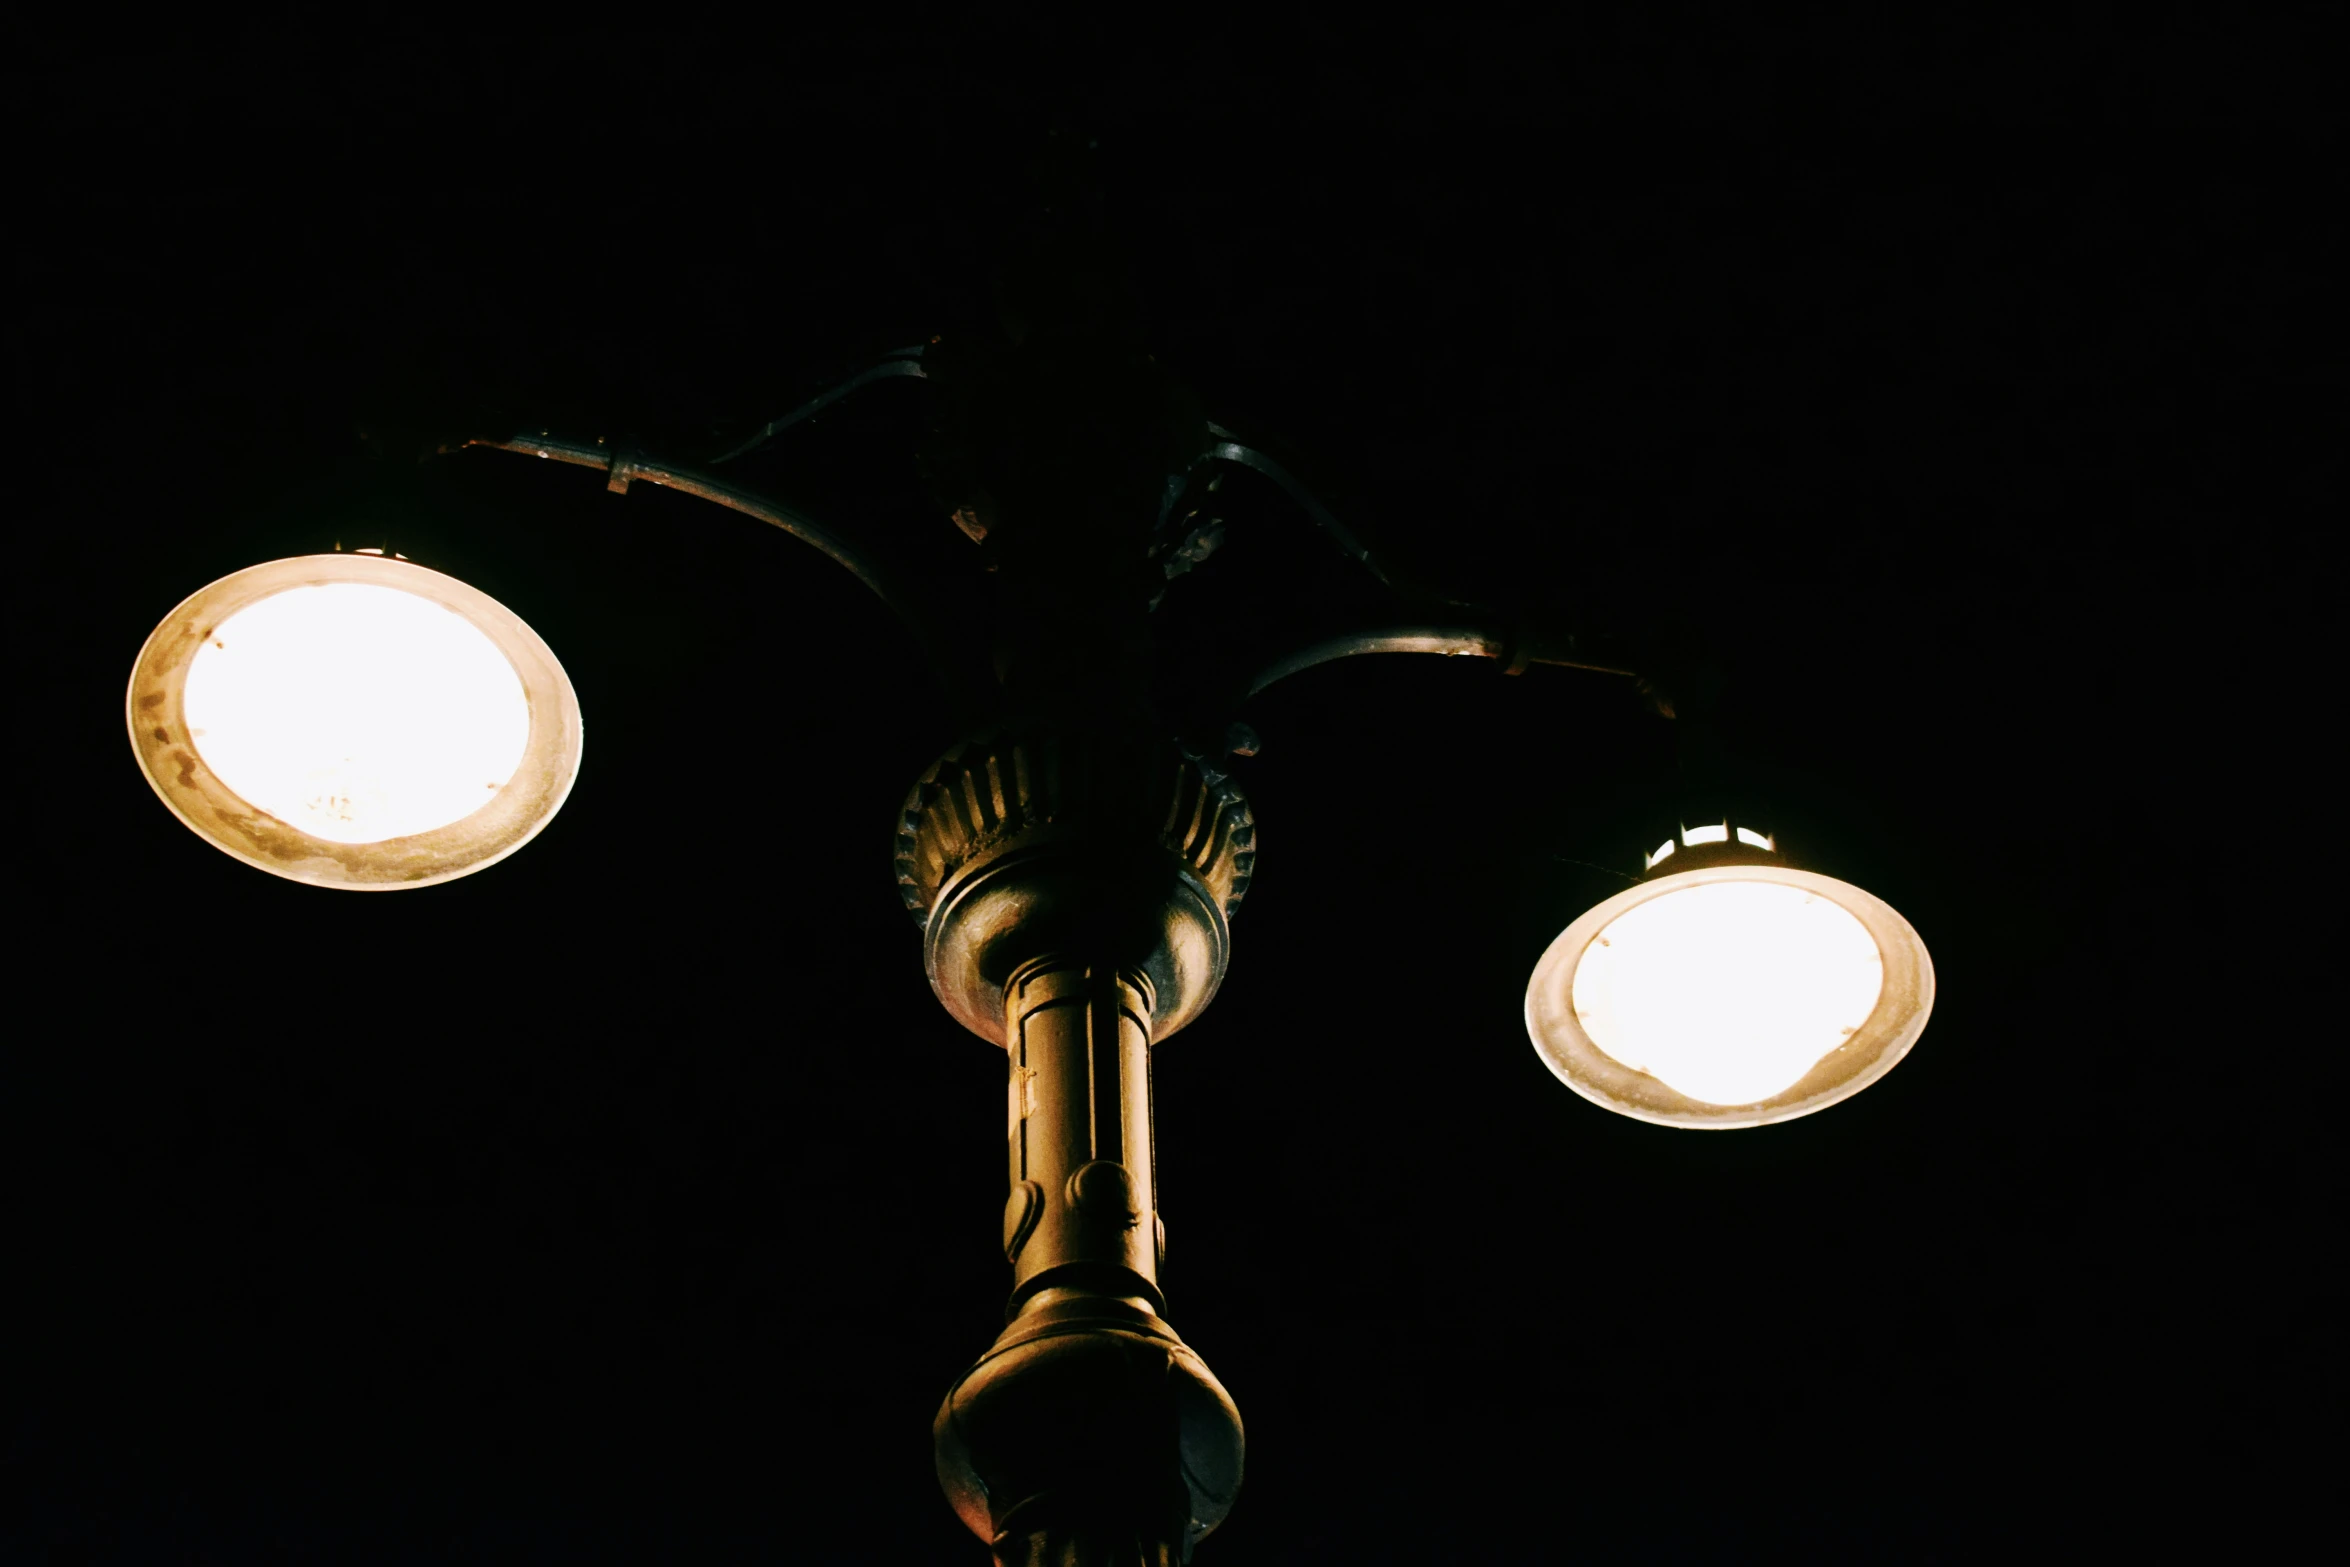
[[1729, 988], [354, 720]]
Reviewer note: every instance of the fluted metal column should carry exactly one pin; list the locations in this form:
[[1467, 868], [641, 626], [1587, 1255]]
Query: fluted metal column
[[1083, 1207]]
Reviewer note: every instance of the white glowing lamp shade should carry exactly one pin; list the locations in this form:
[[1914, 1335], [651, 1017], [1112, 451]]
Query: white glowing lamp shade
[[1731, 996], [354, 721]]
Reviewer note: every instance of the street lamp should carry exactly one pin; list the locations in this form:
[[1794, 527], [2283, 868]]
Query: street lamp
[[1073, 864]]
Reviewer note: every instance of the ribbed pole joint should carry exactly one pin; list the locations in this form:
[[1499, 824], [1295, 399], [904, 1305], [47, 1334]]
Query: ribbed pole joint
[[1122, 847]]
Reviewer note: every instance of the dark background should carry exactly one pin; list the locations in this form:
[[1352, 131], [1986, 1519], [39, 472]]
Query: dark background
[[1958, 389]]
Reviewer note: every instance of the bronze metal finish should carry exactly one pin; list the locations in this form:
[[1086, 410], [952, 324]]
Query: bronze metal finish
[[1075, 890], [1125, 850]]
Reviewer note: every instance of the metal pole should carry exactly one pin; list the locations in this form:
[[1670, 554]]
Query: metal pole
[[1083, 1209]]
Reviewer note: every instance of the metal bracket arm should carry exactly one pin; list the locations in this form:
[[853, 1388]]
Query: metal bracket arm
[[905, 361], [1228, 449], [1459, 640], [623, 468], [963, 677]]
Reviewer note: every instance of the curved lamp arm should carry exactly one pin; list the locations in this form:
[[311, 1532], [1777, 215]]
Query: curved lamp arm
[[908, 362], [1227, 449], [961, 677], [1517, 651], [904, 361], [625, 467]]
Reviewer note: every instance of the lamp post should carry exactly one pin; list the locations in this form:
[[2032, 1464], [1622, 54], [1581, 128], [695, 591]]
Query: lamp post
[[1074, 863]]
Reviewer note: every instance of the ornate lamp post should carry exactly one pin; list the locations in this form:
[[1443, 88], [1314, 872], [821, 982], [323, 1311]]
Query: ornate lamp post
[[1074, 865]]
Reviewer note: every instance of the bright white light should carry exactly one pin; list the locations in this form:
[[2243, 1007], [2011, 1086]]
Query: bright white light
[[1663, 850], [356, 713], [1753, 839], [1693, 836], [1728, 992]]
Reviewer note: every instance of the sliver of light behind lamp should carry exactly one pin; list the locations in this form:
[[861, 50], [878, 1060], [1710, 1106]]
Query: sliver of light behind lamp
[[354, 721]]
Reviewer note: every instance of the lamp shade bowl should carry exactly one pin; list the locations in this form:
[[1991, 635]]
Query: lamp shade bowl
[[1730, 995], [354, 721]]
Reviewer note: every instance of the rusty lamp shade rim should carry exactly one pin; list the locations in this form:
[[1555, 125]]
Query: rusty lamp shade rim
[[154, 709], [1875, 1048]]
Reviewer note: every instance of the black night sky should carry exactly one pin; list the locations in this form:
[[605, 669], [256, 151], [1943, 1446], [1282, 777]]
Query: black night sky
[[1955, 391]]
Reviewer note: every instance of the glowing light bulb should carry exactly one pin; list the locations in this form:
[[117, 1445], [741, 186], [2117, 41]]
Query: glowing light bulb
[[1729, 992], [356, 712]]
